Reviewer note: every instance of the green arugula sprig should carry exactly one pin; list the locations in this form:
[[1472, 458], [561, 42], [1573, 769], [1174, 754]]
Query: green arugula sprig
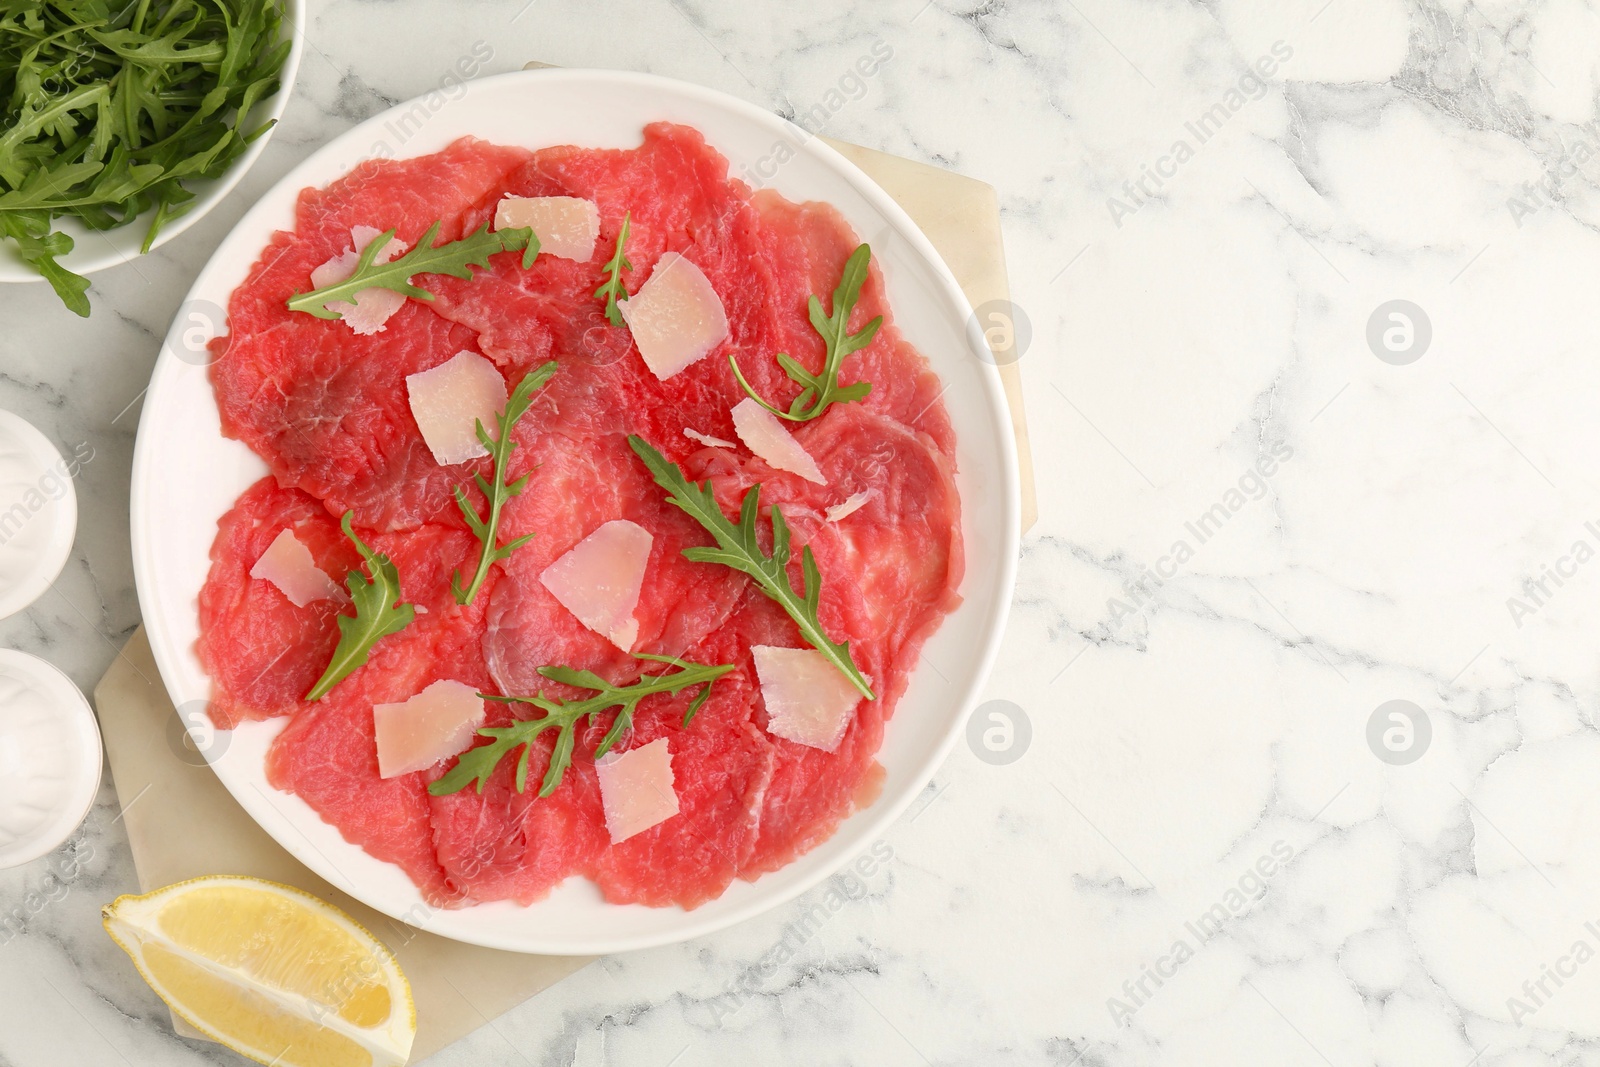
[[499, 491], [40, 249], [738, 547], [455, 258], [478, 764], [613, 290], [820, 390], [379, 613], [108, 108]]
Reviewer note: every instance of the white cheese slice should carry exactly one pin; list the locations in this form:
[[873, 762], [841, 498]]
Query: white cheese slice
[[706, 439], [636, 789], [599, 578], [334, 270], [372, 307], [850, 505], [565, 225], [288, 565], [763, 433], [675, 317], [450, 400], [808, 700], [437, 723]]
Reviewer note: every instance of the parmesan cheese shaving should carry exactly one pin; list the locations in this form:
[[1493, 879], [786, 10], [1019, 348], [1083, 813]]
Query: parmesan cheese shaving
[[450, 400], [437, 723], [599, 578], [707, 439], [808, 700], [636, 789], [764, 434], [565, 225], [372, 307], [676, 317], [287, 564], [850, 505]]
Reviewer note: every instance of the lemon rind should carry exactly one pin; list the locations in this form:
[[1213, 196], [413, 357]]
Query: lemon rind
[[395, 1051]]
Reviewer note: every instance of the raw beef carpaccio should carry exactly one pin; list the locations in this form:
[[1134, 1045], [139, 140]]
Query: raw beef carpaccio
[[327, 409]]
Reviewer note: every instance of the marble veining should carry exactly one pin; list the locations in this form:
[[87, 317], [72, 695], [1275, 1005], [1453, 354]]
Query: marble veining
[[1300, 639]]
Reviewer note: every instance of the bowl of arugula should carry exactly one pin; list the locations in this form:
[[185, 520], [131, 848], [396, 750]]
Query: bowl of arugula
[[122, 122]]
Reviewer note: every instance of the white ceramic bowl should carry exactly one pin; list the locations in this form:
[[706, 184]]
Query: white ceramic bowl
[[186, 475], [97, 249], [38, 513], [49, 758]]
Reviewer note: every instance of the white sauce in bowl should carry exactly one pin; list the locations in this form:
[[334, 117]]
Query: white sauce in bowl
[[49, 757], [38, 512]]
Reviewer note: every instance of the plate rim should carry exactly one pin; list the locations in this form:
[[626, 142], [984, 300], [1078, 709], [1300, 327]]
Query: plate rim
[[882, 812]]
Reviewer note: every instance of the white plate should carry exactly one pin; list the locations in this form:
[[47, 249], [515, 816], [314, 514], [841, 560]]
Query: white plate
[[186, 475], [94, 250]]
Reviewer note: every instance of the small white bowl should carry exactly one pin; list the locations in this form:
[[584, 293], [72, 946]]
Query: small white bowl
[[97, 249], [38, 513], [49, 758]]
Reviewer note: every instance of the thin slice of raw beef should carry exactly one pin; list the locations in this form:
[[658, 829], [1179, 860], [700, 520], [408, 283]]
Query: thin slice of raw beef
[[506, 845], [328, 754], [411, 194], [810, 790], [675, 192], [262, 652], [327, 757], [901, 551], [890, 570], [904, 387], [722, 766], [326, 408], [574, 488]]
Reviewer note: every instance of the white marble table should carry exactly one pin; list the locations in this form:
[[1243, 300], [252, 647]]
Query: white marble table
[[1257, 528]]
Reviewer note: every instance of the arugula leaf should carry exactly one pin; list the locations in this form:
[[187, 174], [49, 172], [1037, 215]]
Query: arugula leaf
[[41, 251], [478, 764], [820, 390], [613, 290], [488, 529], [132, 45], [51, 117], [455, 258], [379, 613], [107, 108], [738, 547]]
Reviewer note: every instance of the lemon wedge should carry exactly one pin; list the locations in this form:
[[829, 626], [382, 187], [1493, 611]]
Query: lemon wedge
[[269, 971]]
